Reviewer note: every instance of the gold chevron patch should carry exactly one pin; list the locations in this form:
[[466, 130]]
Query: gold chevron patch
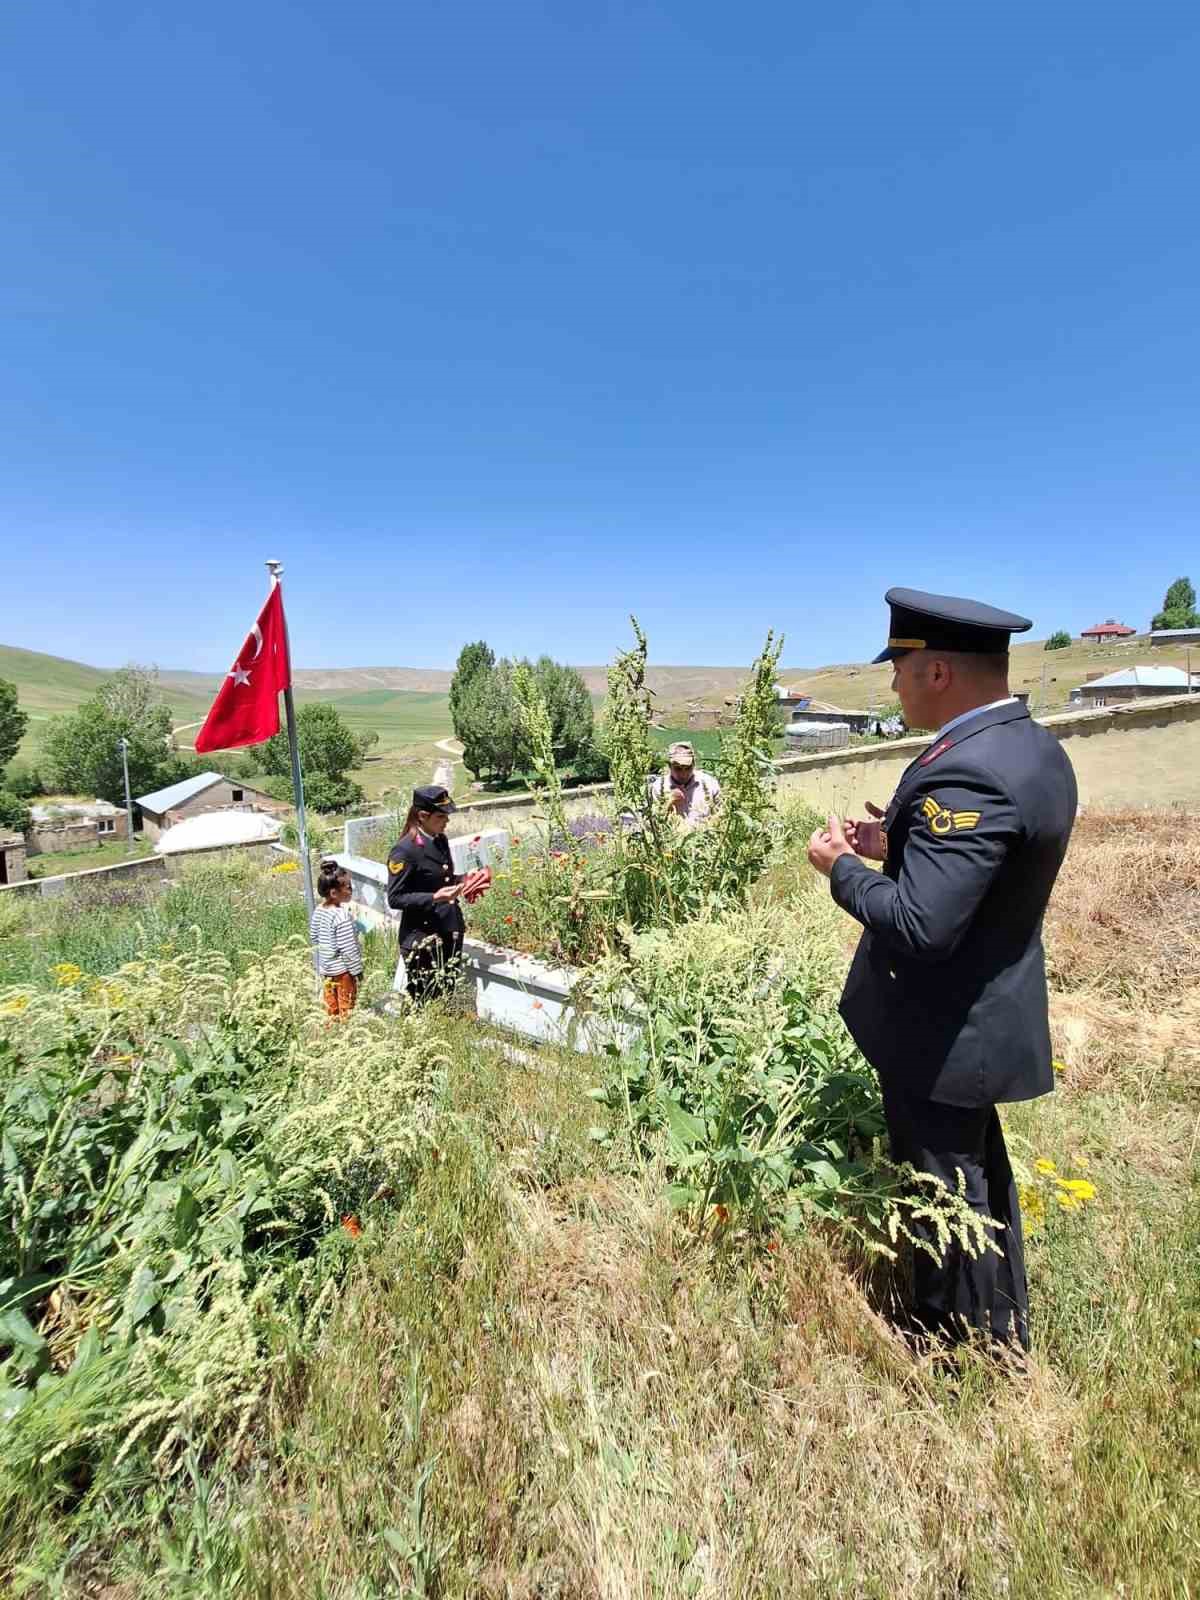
[[942, 821]]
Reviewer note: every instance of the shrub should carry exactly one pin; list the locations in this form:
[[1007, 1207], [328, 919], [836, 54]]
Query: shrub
[[14, 813], [1058, 641], [23, 780]]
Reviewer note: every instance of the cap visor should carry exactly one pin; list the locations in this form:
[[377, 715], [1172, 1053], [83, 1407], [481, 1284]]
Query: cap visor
[[447, 806], [886, 655]]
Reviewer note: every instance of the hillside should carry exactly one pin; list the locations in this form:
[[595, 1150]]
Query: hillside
[[409, 709]]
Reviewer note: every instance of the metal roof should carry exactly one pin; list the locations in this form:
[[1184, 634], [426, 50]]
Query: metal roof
[[1174, 633], [176, 793], [1142, 678]]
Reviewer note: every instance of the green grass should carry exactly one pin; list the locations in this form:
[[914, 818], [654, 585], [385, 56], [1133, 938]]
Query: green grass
[[537, 1380]]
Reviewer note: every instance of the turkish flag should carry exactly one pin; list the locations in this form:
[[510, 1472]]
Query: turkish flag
[[246, 710]]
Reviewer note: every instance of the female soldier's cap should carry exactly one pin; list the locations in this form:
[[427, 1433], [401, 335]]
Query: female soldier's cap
[[433, 798], [945, 622]]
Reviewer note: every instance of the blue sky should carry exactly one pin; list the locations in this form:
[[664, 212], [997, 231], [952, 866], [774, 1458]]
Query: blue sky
[[507, 320]]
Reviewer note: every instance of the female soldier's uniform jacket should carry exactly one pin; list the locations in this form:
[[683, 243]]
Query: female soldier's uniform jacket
[[947, 994], [416, 868]]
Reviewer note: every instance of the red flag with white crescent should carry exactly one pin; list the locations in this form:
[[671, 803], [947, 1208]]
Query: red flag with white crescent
[[246, 710]]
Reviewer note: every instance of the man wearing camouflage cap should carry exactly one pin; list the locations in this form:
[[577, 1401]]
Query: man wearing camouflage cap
[[691, 794]]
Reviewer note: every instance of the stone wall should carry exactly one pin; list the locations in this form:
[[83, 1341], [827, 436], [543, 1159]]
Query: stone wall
[[75, 834], [1143, 754], [139, 867]]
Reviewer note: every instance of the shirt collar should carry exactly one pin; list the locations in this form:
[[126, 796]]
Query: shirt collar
[[975, 711]]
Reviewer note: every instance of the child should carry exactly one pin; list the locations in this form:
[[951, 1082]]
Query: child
[[339, 957]]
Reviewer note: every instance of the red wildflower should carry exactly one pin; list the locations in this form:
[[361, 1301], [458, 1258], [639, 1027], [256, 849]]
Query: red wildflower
[[352, 1226], [537, 1005], [508, 920], [722, 1213], [773, 1245]]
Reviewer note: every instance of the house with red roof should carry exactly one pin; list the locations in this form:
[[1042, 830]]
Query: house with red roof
[[1104, 632]]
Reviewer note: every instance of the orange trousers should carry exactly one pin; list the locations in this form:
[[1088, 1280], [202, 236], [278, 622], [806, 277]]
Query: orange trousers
[[340, 993]]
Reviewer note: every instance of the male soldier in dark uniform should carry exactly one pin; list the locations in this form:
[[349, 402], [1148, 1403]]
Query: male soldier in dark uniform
[[947, 994]]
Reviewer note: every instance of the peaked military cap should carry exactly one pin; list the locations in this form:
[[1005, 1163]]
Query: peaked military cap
[[433, 798], [946, 622]]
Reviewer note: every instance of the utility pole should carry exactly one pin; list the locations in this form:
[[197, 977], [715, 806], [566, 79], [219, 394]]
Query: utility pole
[[124, 743]]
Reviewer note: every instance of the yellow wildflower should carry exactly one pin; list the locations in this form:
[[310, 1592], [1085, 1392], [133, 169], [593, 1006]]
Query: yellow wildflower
[[1043, 1165], [1078, 1188], [1068, 1201], [1059, 1066], [286, 866], [16, 1004], [1033, 1205], [66, 973]]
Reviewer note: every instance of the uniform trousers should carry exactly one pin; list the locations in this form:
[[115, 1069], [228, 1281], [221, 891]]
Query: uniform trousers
[[431, 964], [959, 1295]]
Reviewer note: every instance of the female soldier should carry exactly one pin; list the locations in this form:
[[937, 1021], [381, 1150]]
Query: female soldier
[[424, 888]]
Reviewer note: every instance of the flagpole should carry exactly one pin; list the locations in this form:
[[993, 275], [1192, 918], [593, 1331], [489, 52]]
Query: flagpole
[[310, 900]]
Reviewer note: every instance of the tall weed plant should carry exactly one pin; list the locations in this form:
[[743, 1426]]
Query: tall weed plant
[[744, 1079], [181, 1142], [576, 898]]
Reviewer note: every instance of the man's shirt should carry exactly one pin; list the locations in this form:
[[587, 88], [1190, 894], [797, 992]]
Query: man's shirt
[[701, 793]]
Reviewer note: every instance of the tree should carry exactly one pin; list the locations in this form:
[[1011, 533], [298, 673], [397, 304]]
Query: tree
[[569, 706], [81, 752], [327, 745], [13, 722], [1179, 607], [1058, 641], [486, 720], [14, 813], [473, 659], [321, 792]]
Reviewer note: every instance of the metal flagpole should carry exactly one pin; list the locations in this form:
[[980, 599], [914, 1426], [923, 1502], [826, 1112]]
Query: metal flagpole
[[310, 900]]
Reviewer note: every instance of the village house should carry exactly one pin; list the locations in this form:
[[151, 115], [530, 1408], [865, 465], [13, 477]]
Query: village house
[[1174, 636], [75, 825], [1133, 683], [1106, 632], [207, 791]]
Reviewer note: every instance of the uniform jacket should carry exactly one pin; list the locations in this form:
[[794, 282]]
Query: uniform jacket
[[415, 870], [947, 994]]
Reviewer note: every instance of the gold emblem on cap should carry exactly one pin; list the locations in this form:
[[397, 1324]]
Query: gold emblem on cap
[[905, 644]]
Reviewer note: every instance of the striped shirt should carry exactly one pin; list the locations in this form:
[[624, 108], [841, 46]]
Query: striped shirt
[[336, 939]]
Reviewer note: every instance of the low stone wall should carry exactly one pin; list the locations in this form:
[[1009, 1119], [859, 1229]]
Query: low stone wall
[[474, 817], [140, 867], [45, 838], [1147, 754]]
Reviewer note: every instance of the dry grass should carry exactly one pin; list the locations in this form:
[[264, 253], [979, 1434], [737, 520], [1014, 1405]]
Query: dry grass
[[1125, 917]]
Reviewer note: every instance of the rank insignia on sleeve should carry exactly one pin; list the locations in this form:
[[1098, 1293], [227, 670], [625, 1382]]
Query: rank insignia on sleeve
[[943, 821], [397, 867]]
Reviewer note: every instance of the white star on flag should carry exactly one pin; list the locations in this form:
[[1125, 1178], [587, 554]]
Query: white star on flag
[[239, 675]]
